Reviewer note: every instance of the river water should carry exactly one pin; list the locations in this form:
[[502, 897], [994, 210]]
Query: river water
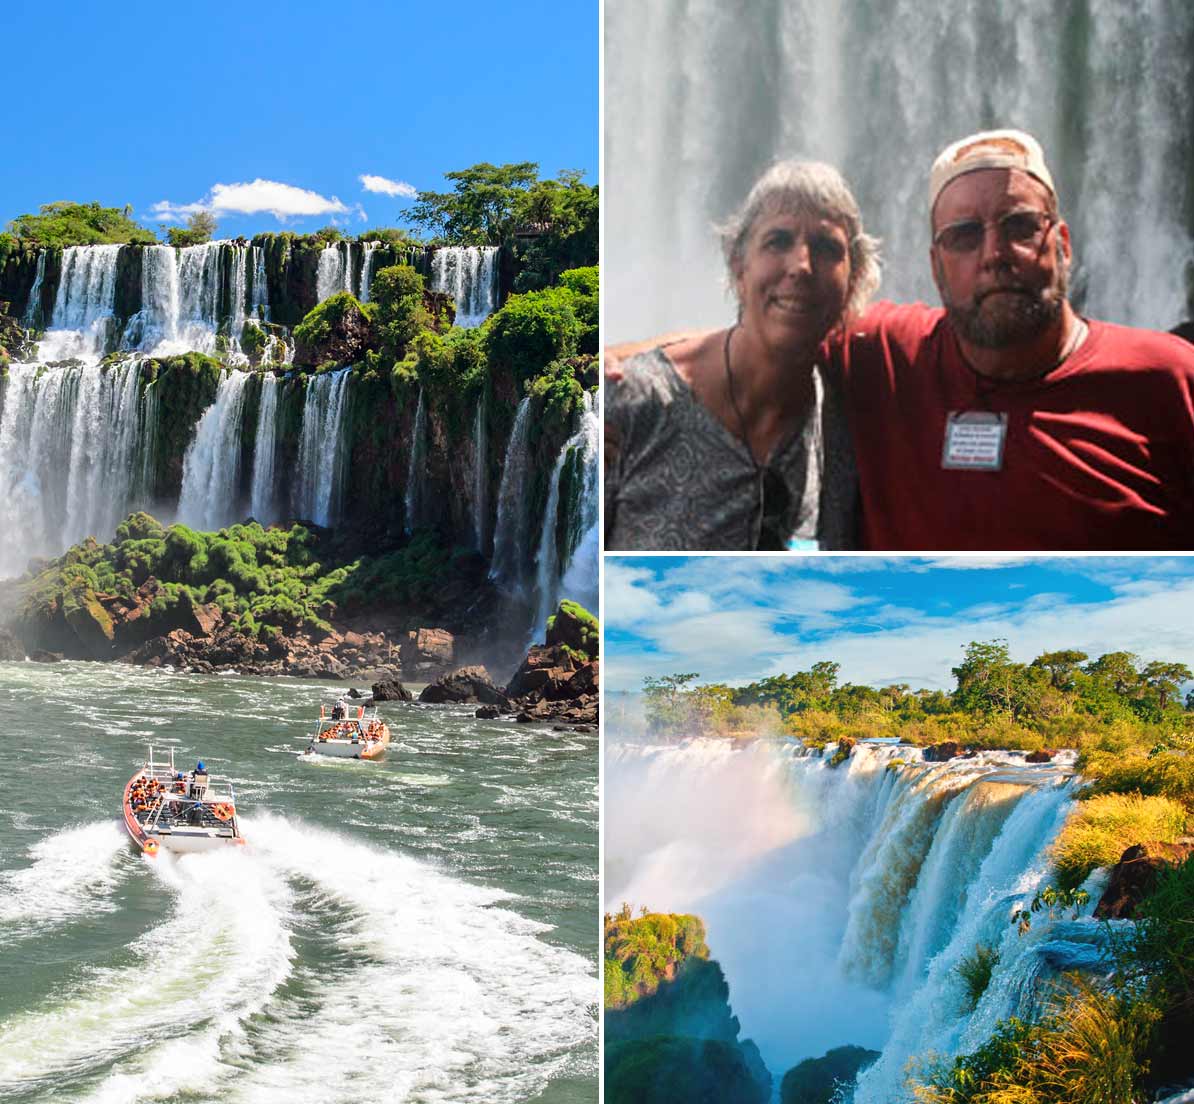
[[418, 929]]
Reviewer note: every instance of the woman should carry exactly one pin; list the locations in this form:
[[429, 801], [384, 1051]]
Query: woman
[[736, 440]]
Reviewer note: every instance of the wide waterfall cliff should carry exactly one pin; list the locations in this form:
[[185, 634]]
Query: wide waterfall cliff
[[701, 96], [163, 380], [842, 896]]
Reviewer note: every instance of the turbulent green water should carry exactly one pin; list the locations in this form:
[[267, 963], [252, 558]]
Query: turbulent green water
[[418, 929]]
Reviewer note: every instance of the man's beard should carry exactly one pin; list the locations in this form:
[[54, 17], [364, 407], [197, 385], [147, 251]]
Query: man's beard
[[1014, 316]]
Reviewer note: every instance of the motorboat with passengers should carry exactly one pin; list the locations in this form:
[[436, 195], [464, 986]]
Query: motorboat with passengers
[[179, 811], [341, 734]]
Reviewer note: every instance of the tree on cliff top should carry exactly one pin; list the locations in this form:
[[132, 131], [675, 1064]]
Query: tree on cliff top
[[484, 206], [200, 228], [62, 224]]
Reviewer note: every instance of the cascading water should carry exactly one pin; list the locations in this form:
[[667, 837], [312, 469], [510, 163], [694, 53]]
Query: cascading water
[[840, 900], [367, 261], [415, 473], [510, 534], [469, 274], [580, 519], [322, 461], [262, 498], [72, 443], [702, 96], [334, 273], [211, 466], [32, 316], [480, 475], [259, 299], [84, 306]]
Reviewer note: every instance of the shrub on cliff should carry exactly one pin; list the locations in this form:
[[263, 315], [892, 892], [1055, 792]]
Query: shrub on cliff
[[63, 224], [338, 330], [640, 953], [1107, 825], [533, 330], [400, 313]]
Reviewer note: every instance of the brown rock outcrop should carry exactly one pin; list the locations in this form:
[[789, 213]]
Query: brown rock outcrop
[[1135, 875]]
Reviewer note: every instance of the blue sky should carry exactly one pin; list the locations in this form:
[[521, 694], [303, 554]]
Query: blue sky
[[884, 620], [149, 104]]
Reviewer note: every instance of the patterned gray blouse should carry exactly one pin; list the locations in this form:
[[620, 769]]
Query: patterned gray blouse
[[681, 481]]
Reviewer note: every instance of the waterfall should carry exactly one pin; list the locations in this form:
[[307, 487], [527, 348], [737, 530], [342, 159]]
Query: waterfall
[[701, 97], [259, 305], [72, 446], [323, 464], [469, 274], [415, 473], [84, 306], [510, 533], [889, 869], [580, 517], [367, 262], [211, 466], [32, 316], [261, 498], [335, 270], [480, 475]]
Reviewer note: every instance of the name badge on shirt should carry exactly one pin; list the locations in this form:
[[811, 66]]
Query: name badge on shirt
[[974, 440]]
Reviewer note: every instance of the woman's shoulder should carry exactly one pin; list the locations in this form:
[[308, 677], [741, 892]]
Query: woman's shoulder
[[647, 380]]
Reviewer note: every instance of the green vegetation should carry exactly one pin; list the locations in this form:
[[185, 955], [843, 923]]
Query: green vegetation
[[576, 627], [63, 224], [819, 1080], [1096, 1043], [665, 1069], [975, 971], [200, 228], [397, 292], [1107, 825], [1125, 717], [264, 581], [640, 953]]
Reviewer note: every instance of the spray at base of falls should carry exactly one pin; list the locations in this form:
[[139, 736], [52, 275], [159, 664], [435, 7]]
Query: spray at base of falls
[[839, 901]]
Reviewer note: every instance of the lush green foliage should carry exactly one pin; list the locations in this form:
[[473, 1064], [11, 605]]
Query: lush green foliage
[[483, 207], [640, 953], [260, 579], [1107, 707], [397, 291], [63, 224], [535, 329], [975, 971], [559, 228]]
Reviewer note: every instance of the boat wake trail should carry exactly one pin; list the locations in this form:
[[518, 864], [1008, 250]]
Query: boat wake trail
[[72, 875], [304, 964], [180, 991]]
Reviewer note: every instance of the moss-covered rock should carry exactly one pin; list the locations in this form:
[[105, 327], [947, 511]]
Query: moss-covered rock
[[575, 627], [819, 1080], [338, 330]]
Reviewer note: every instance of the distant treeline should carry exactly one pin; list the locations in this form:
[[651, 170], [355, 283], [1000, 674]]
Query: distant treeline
[[1059, 699]]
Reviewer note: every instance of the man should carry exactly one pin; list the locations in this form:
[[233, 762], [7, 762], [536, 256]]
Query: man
[[1004, 421]]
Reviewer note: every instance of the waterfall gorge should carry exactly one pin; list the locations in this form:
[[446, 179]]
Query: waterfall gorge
[[840, 900], [81, 441], [702, 97]]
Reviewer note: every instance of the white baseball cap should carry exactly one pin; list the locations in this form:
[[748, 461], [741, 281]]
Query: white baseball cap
[[989, 149]]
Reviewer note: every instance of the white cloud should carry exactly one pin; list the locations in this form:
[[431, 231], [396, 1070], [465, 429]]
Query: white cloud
[[387, 187], [271, 197]]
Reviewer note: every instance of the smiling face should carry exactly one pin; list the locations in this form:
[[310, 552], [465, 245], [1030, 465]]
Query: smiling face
[[1009, 288], [793, 279]]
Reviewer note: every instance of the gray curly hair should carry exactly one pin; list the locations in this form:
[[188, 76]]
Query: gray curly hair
[[815, 188]]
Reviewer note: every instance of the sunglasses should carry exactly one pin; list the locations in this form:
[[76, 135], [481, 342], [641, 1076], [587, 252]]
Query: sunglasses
[[1024, 230], [774, 500]]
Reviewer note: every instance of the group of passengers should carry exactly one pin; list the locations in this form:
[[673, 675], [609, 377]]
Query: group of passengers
[[144, 795]]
